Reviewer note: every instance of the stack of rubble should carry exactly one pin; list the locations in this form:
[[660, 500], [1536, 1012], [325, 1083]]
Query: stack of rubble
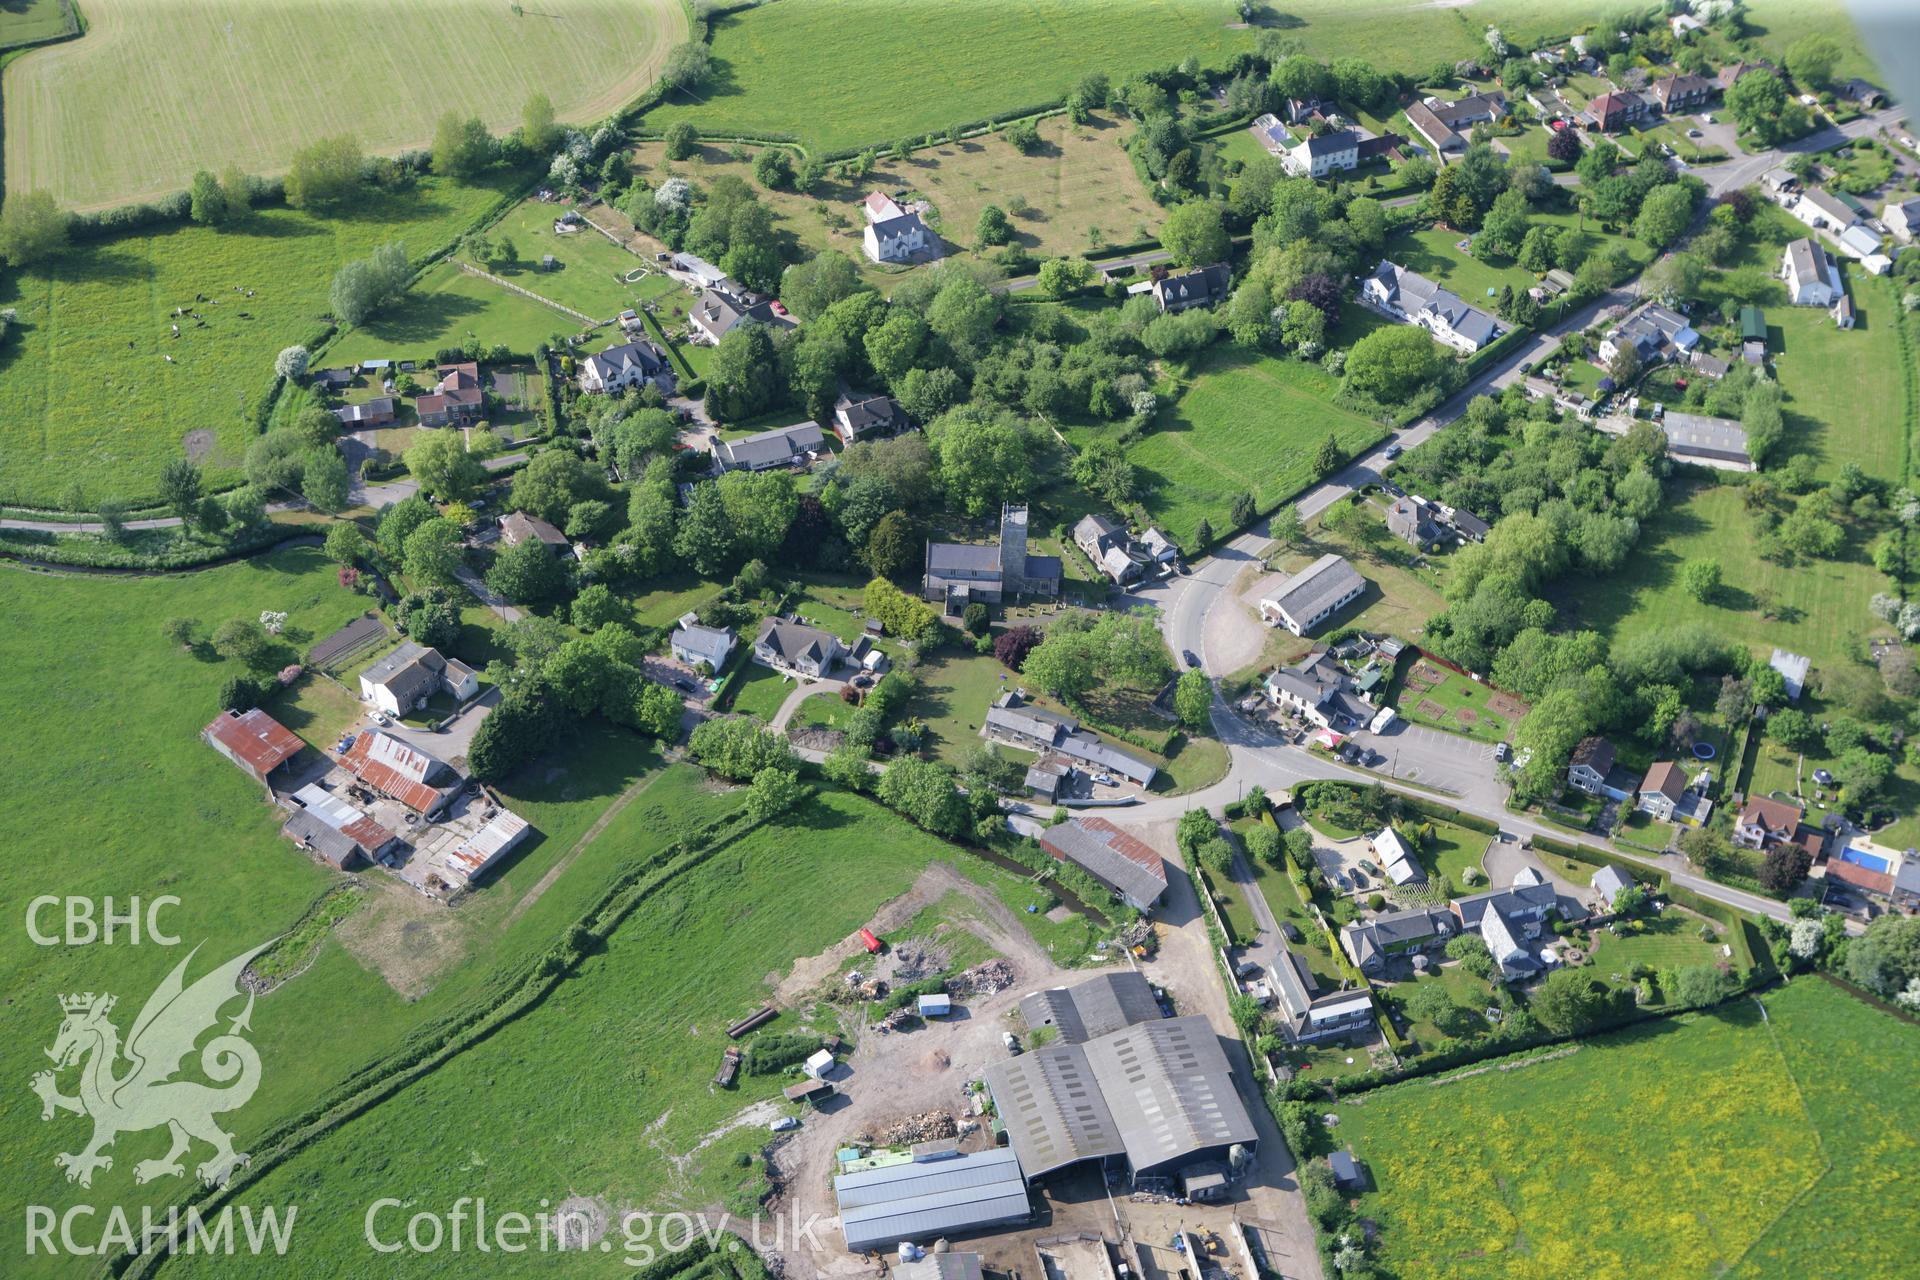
[[986, 979], [929, 1126]]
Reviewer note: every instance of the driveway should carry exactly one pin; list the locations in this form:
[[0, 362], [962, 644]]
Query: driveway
[[456, 736]]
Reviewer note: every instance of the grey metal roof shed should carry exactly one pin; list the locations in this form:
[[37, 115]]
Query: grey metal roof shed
[[881, 1207]]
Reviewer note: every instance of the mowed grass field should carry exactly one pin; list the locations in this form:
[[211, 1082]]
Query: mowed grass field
[[844, 74], [441, 310], [28, 21], [249, 82], [1246, 423], [87, 394], [1845, 399], [1775, 1147], [604, 1090]]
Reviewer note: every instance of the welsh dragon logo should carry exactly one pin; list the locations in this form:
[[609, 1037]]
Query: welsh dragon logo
[[144, 1093]]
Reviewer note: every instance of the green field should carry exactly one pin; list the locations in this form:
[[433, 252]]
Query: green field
[[31, 21], [600, 1089], [249, 82], [1845, 401], [1245, 423], [442, 310], [592, 267], [1773, 1146], [985, 60], [86, 395]]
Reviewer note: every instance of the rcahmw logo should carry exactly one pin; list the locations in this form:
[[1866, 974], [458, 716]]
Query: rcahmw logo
[[139, 1084]]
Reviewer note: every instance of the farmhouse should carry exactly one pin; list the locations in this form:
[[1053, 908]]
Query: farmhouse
[[374, 413], [517, 526], [1713, 442], [893, 233], [630, 364], [326, 824], [780, 447], [1414, 299], [1444, 125], [400, 770], [1202, 287], [1310, 1015], [1010, 721], [412, 673], [1318, 691], [694, 644], [1117, 860], [1592, 770], [1612, 112], [1317, 155], [794, 646], [922, 1200], [254, 740], [1655, 333], [1372, 943], [1313, 595], [958, 573], [1154, 1094], [1507, 919], [858, 415], [456, 399]]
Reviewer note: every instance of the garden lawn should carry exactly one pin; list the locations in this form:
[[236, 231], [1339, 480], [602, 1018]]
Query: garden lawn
[[668, 597], [1845, 398], [1231, 897], [86, 396], [593, 269], [641, 1022], [1823, 602], [1463, 703], [1734, 1120], [269, 78], [1672, 941], [760, 692], [1454, 850], [987, 60], [447, 307], [1246, 423]]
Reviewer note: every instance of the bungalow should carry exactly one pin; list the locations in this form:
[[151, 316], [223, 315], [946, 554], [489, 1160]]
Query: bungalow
[[699, 271], [1764, 823], [1011, 722], [1811, 273], [1825, 211], [1307, 1014], [254, 740], [780, 447], [1608, 884], [1445, 125], [1414, 299], [858, 415], [412, 673], [694, 644], [1313, 595], [796, 647], [456, 400], [1592, 770], [1203, 287], [1862, 94], [1372, 943], [377, 412], [1712, 442], [1860, 241], [517, 526], [1121, 862], [630, 364], [1680, 93], [333, 379], [893, 233], [1655, 333], [1396, 859], [1612, 112], [1317, 155], [1318, 691]]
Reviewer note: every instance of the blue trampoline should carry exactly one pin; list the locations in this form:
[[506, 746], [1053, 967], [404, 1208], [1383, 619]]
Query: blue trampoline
[[1703, 750]]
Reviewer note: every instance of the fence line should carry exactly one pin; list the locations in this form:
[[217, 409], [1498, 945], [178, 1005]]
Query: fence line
[[491, 278]]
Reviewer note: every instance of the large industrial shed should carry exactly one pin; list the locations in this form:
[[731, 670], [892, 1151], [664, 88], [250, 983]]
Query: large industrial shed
[[881, 1207], [1122, 1083]]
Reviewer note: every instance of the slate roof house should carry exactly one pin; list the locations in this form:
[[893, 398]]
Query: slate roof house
[[1105, 542], [717, 312], [411, 674], [517, 526], [858, 415], [1370, 944], [1313, 595], [1592, 770], [456, 400], [1411, 519], [1117, 860], [795, 646], [1120, 1086], [1509, 919], [762, 451], [1318, 690], [893, 234], [1811, 273], [1655, 333], [1414, 299], [629, 364], [1317, 155], [1763, 823], [1445, 125], [1308, 1013], [1202, 287], [1011, 721], [958, 573], [694, 644]]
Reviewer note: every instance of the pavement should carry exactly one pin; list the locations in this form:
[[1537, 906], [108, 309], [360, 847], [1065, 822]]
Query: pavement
[[1746, 170]]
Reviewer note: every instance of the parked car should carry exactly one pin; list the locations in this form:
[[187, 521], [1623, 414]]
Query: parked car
[[1369, 867], [1191, 659], [785, 1123], [1693, 133], [1501, 752], [1012, 1044], [1394, 450], [1359, 881]]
